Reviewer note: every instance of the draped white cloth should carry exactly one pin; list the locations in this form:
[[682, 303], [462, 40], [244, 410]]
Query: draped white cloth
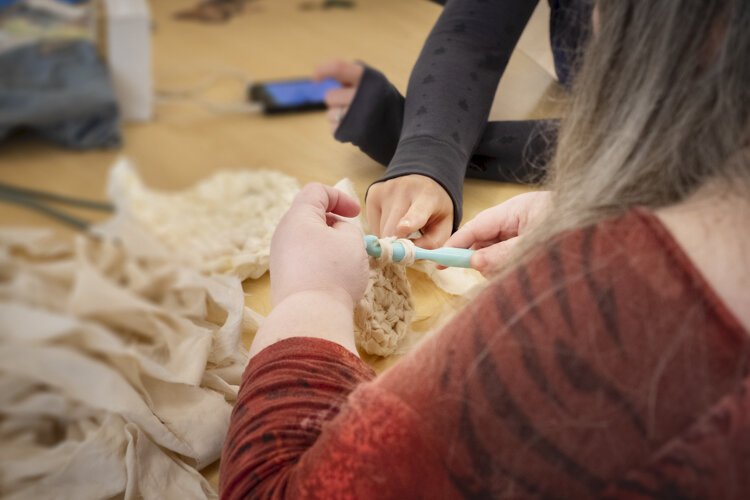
[[117, 374]]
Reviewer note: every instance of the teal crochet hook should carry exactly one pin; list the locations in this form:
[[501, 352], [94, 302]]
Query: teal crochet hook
[[449, 257]]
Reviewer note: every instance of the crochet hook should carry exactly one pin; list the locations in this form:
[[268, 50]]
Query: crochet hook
[[449, 257]]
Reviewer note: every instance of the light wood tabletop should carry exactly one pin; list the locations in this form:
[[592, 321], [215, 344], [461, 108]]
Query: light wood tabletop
[[273, 39]]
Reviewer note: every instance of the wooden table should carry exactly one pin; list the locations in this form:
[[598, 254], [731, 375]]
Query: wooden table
[[274, 39]]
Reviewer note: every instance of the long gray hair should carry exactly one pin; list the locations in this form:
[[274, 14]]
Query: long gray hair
[[661, 106]]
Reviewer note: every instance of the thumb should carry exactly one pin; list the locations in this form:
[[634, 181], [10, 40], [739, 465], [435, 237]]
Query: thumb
[[492, 259], [414, 220]]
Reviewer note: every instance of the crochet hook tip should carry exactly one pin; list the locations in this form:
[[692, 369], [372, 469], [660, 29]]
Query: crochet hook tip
[[371, 245]]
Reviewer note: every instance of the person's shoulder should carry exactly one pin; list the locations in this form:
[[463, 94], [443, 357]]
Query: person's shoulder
[[627, 261], [633, 239]]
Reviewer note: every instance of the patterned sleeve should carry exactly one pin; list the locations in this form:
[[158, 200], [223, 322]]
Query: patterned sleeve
[[300, 430], [289, 390]]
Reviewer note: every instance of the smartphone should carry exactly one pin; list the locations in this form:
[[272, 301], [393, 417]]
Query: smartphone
[[287, 96]]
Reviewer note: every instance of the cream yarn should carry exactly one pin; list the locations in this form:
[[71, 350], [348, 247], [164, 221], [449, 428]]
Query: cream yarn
[[221, 225], [383, 316], [386, 250]]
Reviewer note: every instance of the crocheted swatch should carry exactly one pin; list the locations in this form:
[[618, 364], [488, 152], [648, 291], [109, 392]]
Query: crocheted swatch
[[383, 316]]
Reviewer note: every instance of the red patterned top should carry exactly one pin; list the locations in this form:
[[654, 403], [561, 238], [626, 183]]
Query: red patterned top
[[605, 366]]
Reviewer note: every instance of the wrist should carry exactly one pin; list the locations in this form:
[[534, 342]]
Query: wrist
[[324, 313], [322, 294]]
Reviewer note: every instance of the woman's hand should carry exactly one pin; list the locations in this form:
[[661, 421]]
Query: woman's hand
[[495, 231], [313, 250], [348, 74], [403, 205], [318, 271]]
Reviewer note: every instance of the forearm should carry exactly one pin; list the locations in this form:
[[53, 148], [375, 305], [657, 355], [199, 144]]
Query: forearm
[[452, 87], [453, 83], [507, 151], [514, 151], [319, 314]]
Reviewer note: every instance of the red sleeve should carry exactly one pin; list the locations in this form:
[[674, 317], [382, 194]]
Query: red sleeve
[[554, 382], [289, 390]]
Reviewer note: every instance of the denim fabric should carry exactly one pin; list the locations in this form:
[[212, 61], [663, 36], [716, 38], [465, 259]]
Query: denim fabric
[[60, 92]]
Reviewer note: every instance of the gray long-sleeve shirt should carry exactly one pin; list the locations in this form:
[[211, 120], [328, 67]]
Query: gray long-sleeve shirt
[[441, 127]]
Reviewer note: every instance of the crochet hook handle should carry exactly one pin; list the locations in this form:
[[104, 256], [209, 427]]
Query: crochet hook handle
[[449, 257]]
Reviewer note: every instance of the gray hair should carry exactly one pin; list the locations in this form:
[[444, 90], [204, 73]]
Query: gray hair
[[660, 107]]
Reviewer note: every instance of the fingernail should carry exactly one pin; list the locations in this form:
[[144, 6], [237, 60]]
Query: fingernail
[[405, 223]]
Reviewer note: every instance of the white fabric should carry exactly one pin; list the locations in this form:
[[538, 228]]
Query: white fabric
[[453, 280], [117, 374]]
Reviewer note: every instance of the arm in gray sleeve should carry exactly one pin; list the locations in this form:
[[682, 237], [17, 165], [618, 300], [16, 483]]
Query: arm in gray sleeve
[[508, 151], [451, 89], [514, 151]]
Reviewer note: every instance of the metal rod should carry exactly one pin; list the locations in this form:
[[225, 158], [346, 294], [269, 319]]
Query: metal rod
[[57, 198], [27, 202]]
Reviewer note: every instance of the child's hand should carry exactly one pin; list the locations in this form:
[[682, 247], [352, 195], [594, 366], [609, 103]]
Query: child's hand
[[404, 205]]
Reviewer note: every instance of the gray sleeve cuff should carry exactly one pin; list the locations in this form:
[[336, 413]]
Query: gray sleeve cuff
[[374, 119]]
